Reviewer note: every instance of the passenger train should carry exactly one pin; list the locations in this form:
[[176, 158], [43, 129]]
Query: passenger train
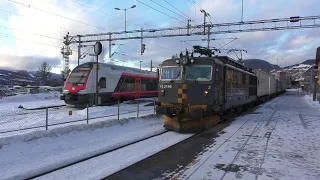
[[195, 91], [114, 83]]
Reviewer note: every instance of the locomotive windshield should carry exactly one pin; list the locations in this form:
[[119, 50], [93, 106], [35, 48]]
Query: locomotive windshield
[[171, 73], [78, 77], [199, 73]]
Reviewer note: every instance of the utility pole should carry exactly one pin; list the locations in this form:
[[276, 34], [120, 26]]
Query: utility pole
[[66, 52], [125, 15], [242, 12], [79, 50], [140, 63], [151, 66], [188, 26], [208, 37], [317, 64]]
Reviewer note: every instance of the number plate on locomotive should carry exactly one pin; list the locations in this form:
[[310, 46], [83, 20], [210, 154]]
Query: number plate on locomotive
[[165, 86]]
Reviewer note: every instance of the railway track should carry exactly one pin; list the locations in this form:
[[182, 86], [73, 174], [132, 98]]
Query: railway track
[[43, 174]]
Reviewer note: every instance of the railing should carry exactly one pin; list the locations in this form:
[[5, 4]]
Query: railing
[[17, 121]]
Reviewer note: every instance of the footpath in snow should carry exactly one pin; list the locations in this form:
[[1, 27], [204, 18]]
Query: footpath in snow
[[280, 140]]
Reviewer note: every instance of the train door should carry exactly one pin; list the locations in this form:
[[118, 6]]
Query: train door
[[137, 87]]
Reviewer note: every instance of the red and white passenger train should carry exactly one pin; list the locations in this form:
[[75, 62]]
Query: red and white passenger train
[[114, 83]]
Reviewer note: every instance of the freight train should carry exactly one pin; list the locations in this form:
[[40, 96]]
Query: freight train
[[114, 83], [195, 91]]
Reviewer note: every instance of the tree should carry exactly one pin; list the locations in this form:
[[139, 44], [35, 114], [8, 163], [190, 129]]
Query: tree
[[44, 72]]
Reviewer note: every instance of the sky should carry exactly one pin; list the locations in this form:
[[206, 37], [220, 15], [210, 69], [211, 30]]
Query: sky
[[32, 31]]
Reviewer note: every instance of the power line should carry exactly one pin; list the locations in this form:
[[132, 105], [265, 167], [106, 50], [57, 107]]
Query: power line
[[56, 15], [31, 33], [51, 25], [161, 12], [176, 9], [168, 9], [36, 42]]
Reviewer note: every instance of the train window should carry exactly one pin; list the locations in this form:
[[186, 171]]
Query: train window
[[152, 85], [199, 73], [119, 85], [129, 81], [171, 73], [78, 77], [103, 82]]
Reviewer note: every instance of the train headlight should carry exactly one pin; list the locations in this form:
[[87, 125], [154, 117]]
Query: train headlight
[[206, 92], [65, 91], [162, 92], [177, 61], [192, 60]]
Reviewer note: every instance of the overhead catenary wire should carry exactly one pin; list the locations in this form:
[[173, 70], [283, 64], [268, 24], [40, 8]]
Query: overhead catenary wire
[[77, 32], [103, 12], [58, 15], [168, 9], [177, 9], [161, 12], [31, 33]]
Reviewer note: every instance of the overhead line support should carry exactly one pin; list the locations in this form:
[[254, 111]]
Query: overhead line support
[[236, 27]]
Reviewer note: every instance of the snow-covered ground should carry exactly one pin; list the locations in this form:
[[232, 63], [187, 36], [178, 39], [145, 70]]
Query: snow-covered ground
[[280, 140], [309, 100], [27, 155], [14, 118], [30, 101]]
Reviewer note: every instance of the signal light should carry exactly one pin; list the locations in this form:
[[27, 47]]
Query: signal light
[[143, 48]]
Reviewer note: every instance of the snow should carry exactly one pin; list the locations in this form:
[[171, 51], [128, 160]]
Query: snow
[[13, 119], [309, 100], [278, 141], [110, 163], [36, 152]]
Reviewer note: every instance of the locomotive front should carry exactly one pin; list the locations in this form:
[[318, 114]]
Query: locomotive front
[[187, 93]]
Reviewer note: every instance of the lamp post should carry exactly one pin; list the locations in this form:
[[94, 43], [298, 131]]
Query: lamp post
[[125, 15]]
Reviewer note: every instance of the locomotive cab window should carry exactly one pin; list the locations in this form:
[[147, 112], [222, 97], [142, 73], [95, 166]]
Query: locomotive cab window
[[199, 73], [171, 73]]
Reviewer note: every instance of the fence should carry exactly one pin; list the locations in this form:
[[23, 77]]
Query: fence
[[15, 121]]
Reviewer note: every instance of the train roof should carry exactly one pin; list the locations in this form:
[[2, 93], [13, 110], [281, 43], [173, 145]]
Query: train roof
[[117, 68], [212, 60]]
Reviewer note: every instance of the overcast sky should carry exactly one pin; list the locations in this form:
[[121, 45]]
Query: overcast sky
[[31, 35]]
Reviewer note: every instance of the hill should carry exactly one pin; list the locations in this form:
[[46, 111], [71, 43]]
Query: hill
[[21, 77], [260, 64]]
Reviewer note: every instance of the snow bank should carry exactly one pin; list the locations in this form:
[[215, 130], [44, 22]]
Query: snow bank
[[55, 132], [100, 167], [309, 100], [43, 151]]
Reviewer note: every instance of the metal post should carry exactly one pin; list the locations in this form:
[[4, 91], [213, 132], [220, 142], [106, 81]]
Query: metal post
[[154, 106], [87, 113], [208, 37], [204, 24], [137, 108], [242, 12], [188, 26], [47, 119], [118, 110], [97, 79], [79, 52], [151, 66], [110, 45], [125, 20]]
